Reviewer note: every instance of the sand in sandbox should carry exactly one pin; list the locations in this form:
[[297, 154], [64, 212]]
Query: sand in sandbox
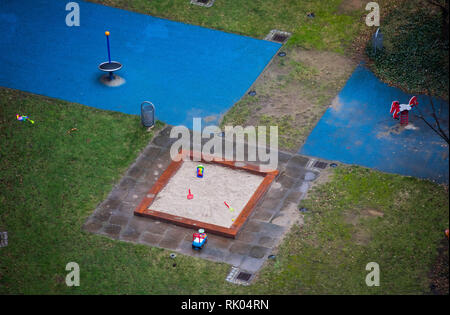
[[218, 184]]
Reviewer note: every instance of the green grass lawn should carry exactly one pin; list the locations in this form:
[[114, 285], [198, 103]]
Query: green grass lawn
[[51, 181], [330, 30], [363, 216]]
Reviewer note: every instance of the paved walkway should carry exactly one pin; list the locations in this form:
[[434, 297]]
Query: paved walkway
[[265, 228]]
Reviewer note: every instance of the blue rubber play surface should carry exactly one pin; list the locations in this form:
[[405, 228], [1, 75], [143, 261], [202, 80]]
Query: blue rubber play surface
[[186, 71], [358, 129]]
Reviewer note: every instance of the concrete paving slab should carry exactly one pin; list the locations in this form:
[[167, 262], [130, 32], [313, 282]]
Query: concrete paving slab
[[251, 264]]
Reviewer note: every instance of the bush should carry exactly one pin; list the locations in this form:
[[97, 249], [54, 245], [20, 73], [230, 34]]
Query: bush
[[414, 57]]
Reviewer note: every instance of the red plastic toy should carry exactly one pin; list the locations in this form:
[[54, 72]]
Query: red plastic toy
[[199, 239], [400, 111]]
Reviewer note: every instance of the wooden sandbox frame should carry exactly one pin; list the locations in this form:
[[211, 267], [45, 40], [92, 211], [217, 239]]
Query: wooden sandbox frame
[[231, 232]]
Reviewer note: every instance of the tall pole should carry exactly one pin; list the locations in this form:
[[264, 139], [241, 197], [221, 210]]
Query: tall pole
[[107, 42], [111, 76]]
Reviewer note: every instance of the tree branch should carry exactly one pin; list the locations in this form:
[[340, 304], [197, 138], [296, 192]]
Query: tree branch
[[443, 135], [442, 6], [437, 120]]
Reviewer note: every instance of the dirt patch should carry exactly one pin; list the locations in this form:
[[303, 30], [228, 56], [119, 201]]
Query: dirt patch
[[395, 130], [349, 6], [293, 92], [373, 213], [361, 236], [354, 218], [402, 196]]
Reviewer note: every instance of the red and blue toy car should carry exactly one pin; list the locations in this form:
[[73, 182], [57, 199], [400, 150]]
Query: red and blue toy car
[[199, 239]]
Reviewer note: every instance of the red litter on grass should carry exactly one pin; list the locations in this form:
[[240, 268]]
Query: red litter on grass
[[190, 196]]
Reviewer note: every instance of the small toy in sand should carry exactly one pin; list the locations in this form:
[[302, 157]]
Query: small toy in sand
[[190, 196], [200, 169], [24, 118], [226, 204], [199, 239]]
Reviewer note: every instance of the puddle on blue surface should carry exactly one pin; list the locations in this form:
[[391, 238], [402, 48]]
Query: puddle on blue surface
[[358, 129]]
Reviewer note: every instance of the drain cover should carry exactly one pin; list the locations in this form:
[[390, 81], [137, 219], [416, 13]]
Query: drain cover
[[278, 36], [320, 164], [281, 38], [203, 3], [244, 276], [238, 276]]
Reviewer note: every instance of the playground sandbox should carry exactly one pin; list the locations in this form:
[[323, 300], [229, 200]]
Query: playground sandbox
[[222, 199]]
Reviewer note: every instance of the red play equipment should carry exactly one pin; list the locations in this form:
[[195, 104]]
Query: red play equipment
[[400, 111], [199, 239]]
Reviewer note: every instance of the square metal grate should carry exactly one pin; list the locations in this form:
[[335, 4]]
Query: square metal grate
[[237, 276], [203, 3], [320, 164], [281, 38], [244, 276], [278, 36]]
